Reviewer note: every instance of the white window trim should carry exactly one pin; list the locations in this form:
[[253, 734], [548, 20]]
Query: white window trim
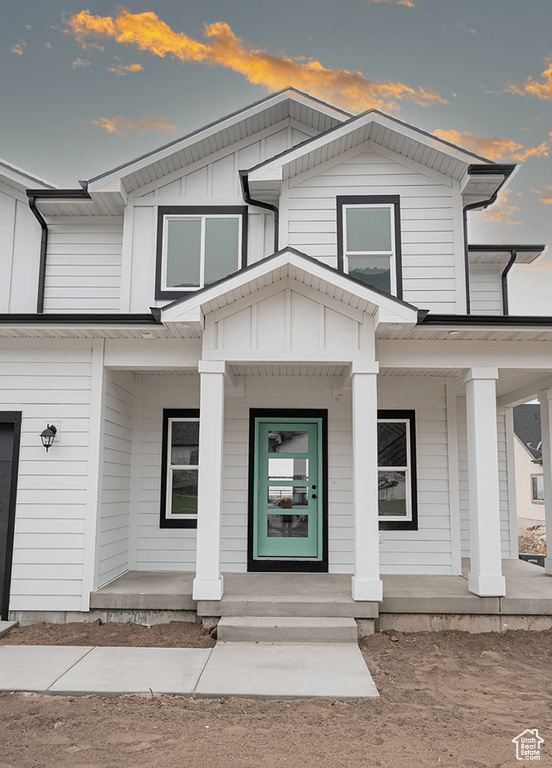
[[533, 499], [171, 467], [391, 254], [167, 218], [407, 470]]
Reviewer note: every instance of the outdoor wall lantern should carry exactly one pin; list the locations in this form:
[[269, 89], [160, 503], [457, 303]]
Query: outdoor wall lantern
[[48, 435]]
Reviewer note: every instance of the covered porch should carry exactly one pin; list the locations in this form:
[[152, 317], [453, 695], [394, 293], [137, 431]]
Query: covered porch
[[410, 602]]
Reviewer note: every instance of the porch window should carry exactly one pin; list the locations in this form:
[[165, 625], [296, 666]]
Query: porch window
[[179, 469], [537, 489], [197, 246], [369, 241], [397, 507]]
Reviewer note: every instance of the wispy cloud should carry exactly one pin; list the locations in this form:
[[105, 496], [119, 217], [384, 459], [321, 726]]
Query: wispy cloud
[[18, 48], [124, 69], [541, 89], [505, 211], [49, 46], [544, 196], [80, 63], [493, 147], [223, 48], [408, 3], [123, 127]]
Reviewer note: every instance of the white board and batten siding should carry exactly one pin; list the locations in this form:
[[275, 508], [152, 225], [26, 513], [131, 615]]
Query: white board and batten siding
[[505, 529], [48, 383], [83, 267], [19, 256], [430, 210], [113, 539], [212, 182]]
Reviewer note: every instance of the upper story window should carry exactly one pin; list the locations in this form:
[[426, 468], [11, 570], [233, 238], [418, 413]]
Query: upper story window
[[196, 246], [369, 242]]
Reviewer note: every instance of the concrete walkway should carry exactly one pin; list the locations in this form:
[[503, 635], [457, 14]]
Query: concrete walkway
[[253, 670]]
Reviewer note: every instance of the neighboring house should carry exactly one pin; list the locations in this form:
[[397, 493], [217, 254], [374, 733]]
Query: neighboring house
[[266, 346], [528, 460]]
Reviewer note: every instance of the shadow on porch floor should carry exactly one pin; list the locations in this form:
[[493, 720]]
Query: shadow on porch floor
[[528, 588]]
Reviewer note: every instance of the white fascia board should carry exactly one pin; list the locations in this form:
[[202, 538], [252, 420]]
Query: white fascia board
[[267, 169], [20, 179], [393, 310]]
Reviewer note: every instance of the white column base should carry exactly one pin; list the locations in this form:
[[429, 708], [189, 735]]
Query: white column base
[[548, 566], [208, 589], [367, 589], [487, 585]]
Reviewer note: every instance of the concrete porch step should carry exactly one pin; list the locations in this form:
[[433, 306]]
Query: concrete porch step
[[286, 629]]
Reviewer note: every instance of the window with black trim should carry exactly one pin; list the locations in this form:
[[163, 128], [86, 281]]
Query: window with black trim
[[179, 468], [397, 496], [197, 246], [369, 240]]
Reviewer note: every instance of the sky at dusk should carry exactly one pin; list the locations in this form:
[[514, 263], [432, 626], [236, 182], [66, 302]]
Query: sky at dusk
[[86, 87]]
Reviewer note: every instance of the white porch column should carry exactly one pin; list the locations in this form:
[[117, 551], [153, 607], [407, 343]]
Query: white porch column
[[208, 582], [545, 400], [366, 583], [485, 578]]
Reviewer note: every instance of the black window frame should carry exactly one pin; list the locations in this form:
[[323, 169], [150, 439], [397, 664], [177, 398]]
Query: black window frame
[[194, 210], [168, 414], [405, 525], [371, 200]]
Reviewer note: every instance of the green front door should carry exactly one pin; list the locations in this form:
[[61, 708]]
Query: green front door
[[287, 514]]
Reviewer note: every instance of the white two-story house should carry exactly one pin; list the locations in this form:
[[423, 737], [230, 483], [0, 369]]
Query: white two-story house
[[264, 347]]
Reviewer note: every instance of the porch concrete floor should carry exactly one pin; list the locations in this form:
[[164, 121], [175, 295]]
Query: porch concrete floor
[[528, 591]]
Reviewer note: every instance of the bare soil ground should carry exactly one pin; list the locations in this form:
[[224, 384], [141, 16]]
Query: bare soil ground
[[532, 539], [448, 700]]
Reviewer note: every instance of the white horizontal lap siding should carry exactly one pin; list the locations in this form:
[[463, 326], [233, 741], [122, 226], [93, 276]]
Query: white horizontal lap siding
[[486, 289], [114, 521], [427, 550], [159, 549], [49, 384], [83, 267], [427, 221]]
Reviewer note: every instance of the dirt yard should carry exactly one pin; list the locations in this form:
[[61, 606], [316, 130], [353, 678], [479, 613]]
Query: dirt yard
[[448, 700]]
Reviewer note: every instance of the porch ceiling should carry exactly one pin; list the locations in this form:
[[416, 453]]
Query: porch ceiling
[[266, 369]]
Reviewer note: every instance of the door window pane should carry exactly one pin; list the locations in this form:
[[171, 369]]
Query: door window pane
[[369, 229], [288, 526], [288, 469], [392, 494], [184, 491], [183, 253], [392, 446], [288, 442], [288, 497]]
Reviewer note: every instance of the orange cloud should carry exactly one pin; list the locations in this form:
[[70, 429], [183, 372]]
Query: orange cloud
[[541, 90], [80, 63], [122, 126], [494, 147], [505, 211], [408, 3], [545, 197], [223, 48], [18, 47], [121, 69]]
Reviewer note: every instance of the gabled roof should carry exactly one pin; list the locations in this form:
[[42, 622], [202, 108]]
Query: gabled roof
[[412, 143], [289, 103], [19, 180], [289, 263], [527, 427]]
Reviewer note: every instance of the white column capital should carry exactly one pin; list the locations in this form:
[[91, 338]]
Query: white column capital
[[480, 373], [358, 367], [211, 366], [545, 396]]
